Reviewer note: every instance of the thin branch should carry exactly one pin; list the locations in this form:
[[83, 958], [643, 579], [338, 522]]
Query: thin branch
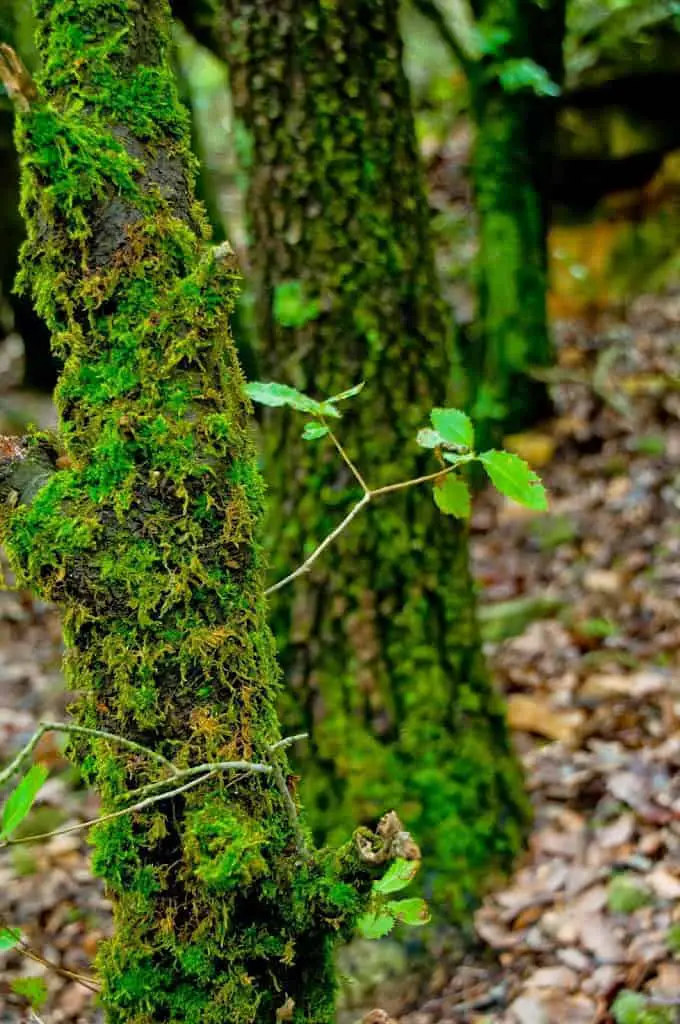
[[288, 741], [309, 562], [369, 495], [456, 26], [32, 954], [345, 457], [140, 806], [79, 730], [389, 488], [291, 809], [202, 769]]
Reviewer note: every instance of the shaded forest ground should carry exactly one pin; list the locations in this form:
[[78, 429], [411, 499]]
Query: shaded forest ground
[[581, 615]]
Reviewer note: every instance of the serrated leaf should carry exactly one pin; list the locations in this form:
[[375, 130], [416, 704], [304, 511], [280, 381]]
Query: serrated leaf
[[32, 989], [350, 393], [513, 477], [374, 926], [428, 438], [452, 497], [313, 431], [414, 912], [273, 394], [454, 426], [21, 800], [399, 874], [9, 938]]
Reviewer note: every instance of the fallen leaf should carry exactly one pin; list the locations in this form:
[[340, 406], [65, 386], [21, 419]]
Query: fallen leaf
[[530, 714]]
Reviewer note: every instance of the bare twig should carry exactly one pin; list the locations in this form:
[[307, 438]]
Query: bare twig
[[343, 454], [288, 741], [38, 958], [140, 806], [289, 803], [309, 562], [368, 496], [78, 730]]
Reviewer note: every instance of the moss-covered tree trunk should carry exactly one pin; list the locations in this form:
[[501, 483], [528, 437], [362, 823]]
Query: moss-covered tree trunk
[[378, 642], [147, 537], [512, 163]]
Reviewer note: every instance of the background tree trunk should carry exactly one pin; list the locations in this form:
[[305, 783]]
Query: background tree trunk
[[512, 168], [148, 539], [379, 643]]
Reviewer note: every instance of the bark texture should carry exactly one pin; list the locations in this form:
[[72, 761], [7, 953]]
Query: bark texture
[[148, 539], [378, 643], [512, 166]]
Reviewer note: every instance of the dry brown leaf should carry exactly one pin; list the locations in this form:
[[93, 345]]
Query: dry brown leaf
[[535, 448], [531, 714], [665, 885]]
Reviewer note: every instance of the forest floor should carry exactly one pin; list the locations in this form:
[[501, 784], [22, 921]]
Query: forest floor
[[582, 621]]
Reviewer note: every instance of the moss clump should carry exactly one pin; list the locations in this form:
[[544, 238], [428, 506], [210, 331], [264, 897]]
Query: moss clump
[[378, 641], [148, 539]]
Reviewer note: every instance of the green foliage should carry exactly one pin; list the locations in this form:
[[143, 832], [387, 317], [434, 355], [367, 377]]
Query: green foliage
[[452, 496], [454, 427], [32, 989], [634, 1008], [9, 938], [292, 308], [512, 477], [276, 395], [524, 73], [21, 800], [313, 431], [625, 895], [383, 914]]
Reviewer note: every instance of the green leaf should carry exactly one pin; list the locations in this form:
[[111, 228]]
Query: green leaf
[[428, 438], [524, 73], [414, 912], [292, 308], [32, 989], [274, 394], [375, 925], [512, 476], [350, 393], [454, 426], [399, 874], [21, 800], [452, 497], [313, 431], [9, 938]]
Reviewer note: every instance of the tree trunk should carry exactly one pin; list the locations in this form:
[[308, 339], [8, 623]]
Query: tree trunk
[[148, 539], [512, 166], [378, 642]]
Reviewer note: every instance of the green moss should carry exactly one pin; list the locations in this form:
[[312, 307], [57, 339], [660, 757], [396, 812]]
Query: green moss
[[378, 642], [149, 542]]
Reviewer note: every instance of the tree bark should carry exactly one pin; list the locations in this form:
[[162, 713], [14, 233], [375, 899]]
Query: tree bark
[[512, 169], [147, 534], [378, 642]]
